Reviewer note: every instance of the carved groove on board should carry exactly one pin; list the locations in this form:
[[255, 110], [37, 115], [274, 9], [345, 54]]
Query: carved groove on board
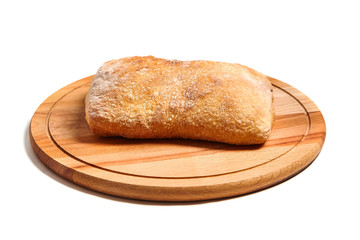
[[211, 151]]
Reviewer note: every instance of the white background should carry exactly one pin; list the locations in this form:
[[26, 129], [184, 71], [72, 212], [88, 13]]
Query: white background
[[312, 45]]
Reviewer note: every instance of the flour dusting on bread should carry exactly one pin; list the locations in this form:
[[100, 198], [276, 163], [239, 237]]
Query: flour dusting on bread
[[148, 97]]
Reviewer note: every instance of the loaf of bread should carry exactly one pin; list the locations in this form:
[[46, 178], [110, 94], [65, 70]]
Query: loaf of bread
[[148, 97]]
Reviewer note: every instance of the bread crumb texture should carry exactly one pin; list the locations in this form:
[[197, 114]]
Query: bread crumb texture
[[148, 97]]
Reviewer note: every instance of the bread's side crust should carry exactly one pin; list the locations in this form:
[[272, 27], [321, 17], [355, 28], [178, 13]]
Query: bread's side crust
[[147, 97]]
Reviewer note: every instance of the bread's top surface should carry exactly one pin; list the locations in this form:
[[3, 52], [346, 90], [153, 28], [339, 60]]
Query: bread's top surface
[[148, 93]]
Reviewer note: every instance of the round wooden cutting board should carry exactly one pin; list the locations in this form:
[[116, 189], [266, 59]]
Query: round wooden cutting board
[[174, 169]]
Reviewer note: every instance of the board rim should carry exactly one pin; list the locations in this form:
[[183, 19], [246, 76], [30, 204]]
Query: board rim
[[127, 187]]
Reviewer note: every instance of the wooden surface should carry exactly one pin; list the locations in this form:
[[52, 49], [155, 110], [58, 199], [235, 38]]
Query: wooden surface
[[174, 169]]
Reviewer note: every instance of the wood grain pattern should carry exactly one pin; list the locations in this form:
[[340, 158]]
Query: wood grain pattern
[[174, 169]]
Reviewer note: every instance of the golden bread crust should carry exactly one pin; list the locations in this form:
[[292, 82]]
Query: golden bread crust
[[148, 97]]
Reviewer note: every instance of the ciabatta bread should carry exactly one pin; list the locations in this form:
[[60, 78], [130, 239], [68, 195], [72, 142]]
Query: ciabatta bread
[[148, 97]]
